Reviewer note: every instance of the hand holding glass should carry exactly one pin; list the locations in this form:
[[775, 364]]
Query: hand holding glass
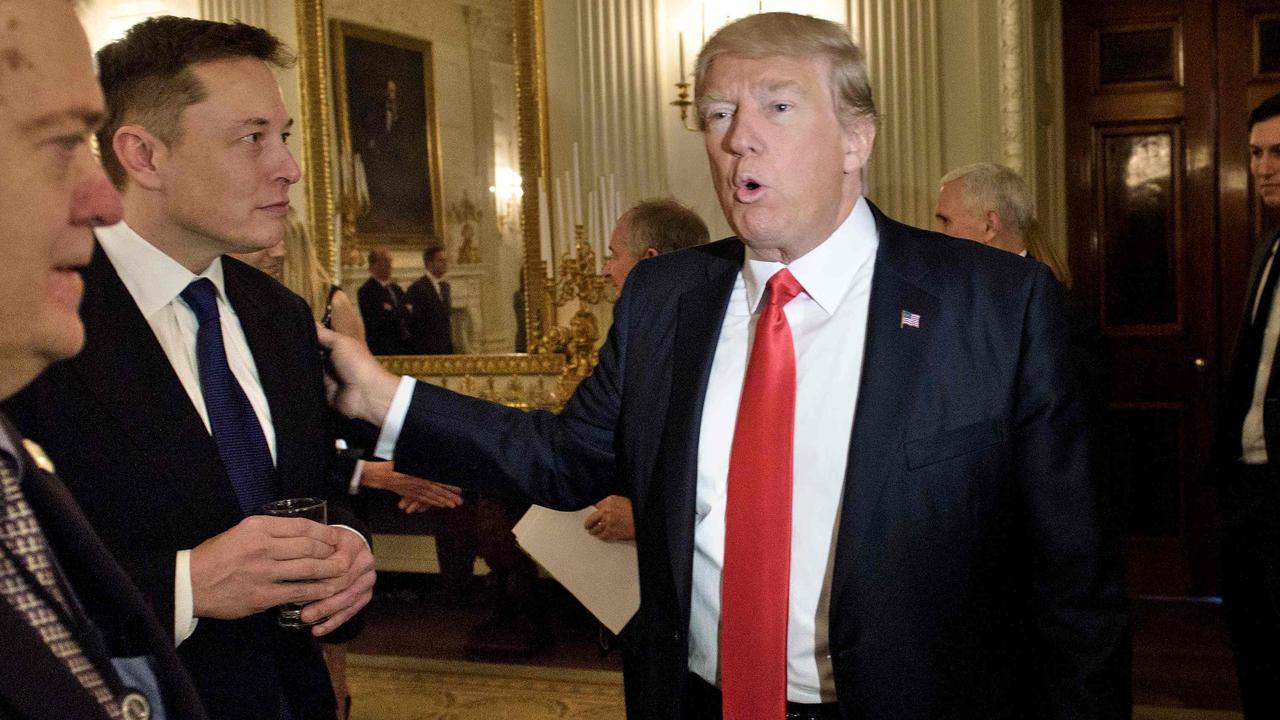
[[290, 614]]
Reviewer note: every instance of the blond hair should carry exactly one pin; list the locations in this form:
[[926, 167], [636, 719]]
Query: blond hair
[[792, 35], [303, 273]]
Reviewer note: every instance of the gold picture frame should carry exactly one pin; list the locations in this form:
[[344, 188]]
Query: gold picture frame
[[389, 167], [318, 160]]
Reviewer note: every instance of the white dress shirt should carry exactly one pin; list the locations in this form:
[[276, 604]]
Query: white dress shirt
[[1253, 441], [156, 282], [828, 326]]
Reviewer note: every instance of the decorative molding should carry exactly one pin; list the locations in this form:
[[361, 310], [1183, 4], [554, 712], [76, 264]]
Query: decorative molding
[[459, 365], [1013, 86]]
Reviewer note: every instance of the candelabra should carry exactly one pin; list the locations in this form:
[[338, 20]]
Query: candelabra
[[576, 279]]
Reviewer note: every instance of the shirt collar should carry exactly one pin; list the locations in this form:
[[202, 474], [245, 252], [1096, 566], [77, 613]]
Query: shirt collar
[[153, 278], [826, 272]]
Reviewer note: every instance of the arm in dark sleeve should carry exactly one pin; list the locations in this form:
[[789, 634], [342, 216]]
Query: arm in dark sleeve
[[563, 461], [1078, 612]]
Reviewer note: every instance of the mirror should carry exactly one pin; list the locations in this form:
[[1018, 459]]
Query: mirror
[[463, 78]]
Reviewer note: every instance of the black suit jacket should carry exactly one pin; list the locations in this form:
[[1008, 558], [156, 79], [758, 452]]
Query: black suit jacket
[[34, 685], [385, 328], [134, 452], [1238, 396], [972, 575], [429, 327]]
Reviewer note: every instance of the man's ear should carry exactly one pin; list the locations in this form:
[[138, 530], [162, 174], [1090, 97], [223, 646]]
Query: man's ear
[[859, 136], [141, 154], [649, 252], [994, 226]]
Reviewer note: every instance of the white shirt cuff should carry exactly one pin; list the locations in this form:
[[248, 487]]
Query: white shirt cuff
[[184, 620], [357, 532], [353, 487], [394, 421]]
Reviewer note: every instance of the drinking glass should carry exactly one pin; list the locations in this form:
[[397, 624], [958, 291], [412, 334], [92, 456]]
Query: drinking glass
[[310, 508]]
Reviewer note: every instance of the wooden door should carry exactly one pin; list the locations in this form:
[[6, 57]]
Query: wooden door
[[1141, 154]]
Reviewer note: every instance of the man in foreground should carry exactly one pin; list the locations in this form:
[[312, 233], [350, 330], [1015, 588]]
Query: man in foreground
[[79, 639], [203, 377], [862, 482]]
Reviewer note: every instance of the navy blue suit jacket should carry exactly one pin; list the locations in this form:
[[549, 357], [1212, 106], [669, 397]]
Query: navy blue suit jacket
[[973, 577]]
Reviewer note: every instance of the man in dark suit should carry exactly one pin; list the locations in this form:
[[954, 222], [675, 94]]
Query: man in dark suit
[[430, 329], [873, 500], [384, 308], [1244, 465], [202, 376], [79, 639]]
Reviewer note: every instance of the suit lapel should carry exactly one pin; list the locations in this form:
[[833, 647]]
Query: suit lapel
[[700, 316], [892, 366], [125, 366]]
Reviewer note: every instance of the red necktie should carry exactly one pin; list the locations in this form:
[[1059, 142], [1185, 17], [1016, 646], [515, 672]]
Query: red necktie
[[757, 535]]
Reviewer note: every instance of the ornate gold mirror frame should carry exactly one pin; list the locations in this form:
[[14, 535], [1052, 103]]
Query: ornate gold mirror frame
[[317, 160]]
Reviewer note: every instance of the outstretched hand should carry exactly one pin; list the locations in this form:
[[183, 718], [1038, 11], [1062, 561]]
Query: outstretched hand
[[416, 494], [356, 383]]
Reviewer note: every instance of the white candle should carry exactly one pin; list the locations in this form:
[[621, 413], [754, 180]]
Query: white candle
[[681, 56], [560, 217], [591, 220], [544, 223], [611, 196], [577, 186], [567, 231]]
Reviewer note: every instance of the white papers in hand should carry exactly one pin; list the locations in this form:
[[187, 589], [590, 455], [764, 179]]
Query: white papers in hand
[[603, 575]]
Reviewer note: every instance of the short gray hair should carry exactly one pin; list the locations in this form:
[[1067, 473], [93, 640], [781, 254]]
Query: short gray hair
[[988, 186]]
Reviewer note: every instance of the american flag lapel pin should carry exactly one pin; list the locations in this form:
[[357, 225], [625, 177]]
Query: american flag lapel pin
[[909, 319]]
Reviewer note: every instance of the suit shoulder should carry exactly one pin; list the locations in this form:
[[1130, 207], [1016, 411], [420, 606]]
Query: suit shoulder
[[249, 282], [679, 270]]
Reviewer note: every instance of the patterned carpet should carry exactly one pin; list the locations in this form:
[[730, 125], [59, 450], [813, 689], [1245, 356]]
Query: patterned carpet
[[401, 688]]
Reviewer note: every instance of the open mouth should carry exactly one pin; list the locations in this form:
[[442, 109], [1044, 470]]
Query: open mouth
[[748, 189]]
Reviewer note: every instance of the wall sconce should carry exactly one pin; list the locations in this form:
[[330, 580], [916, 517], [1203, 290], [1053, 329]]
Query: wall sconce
[[682, 100]]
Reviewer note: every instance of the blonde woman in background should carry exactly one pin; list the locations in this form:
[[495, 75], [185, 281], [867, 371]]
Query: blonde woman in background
[[293, 262]]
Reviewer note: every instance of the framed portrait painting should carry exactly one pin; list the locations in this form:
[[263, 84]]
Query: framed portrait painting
[[389, 162]]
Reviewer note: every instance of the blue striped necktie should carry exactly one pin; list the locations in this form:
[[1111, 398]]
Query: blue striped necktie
[[236, 430]]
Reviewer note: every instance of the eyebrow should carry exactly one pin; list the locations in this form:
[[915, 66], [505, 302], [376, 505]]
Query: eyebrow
[[262, 122], [89, 117]]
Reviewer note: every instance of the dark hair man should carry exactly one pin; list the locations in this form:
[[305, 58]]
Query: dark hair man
[[203, 375], [648, 229], [79, 639], [428, 298], [940, 551], [384, 308], [1247, 452]]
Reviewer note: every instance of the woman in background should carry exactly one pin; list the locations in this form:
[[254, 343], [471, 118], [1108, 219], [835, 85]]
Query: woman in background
[[293, 262]]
